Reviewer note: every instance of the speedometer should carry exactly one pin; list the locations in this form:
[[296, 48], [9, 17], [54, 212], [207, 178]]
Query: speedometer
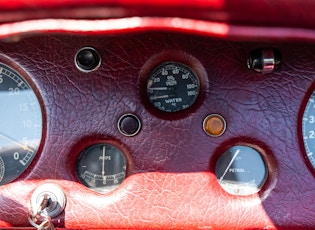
[[172, 87], [20, 124]]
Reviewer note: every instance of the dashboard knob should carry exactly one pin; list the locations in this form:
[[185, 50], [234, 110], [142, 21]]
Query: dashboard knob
[[264, 60], [87, 59]]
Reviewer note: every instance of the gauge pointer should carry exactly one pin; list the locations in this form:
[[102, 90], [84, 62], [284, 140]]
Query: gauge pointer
[[158, 88], [160, 97], [103, 162], [228, 167], [25, 147]]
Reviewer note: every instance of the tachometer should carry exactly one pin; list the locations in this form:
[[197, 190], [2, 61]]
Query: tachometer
[[20, 124], [172, 87]]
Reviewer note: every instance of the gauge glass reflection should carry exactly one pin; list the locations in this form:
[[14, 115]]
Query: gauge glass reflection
[[20, 124]]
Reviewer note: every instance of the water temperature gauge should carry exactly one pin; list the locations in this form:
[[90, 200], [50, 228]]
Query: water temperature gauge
[[172, 87], [101, 167]]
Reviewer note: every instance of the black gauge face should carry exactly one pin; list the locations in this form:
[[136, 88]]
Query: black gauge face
[[241, 170], [20, 124], [101, 167], [172, 87], [308, 129]]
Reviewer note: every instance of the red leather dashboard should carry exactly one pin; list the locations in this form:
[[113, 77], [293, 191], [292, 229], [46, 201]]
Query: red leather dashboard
[[171, 181]]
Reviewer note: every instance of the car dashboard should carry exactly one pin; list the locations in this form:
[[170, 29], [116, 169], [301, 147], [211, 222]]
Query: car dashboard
[[156, 118]]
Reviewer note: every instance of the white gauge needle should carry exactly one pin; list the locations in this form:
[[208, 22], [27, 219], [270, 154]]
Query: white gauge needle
[[228, 167], [103, 163], [25, 147], [158, 88], [160, 97]]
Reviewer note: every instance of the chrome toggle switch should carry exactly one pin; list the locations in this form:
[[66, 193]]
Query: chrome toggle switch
[[264, 60]]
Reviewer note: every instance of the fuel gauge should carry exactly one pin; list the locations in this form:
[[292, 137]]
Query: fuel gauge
[[101, 167], [241, 170]]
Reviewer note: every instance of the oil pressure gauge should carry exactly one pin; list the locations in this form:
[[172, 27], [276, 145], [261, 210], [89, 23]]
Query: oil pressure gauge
[[101, 167], [172, 87]]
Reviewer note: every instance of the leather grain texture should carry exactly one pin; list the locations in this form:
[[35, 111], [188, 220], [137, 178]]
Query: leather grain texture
[[171, 181]]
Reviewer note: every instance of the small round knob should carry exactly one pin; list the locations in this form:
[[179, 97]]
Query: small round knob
[[87, 59]]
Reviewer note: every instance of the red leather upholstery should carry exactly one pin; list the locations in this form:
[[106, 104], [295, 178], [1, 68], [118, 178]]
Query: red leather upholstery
[[284, 13], [171, 181]]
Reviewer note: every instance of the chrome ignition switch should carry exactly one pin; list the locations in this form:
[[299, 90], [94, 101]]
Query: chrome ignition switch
[[47, 201]]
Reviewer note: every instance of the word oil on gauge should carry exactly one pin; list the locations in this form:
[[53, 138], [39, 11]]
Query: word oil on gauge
[[101, 167], [172, 87]]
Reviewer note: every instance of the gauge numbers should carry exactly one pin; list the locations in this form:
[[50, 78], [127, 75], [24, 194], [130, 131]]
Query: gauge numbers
[[172, 87], [308, 129], [101, 167], [20, 124]]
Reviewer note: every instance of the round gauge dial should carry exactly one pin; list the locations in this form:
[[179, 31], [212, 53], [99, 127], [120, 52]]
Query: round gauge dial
[[241, 170], [101, 167], [20, 124], [308, 129], [172, 87]]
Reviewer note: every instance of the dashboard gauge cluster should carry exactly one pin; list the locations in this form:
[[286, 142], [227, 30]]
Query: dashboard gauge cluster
[[144, 125], [171, 87], [119, 132], [20, 124]]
